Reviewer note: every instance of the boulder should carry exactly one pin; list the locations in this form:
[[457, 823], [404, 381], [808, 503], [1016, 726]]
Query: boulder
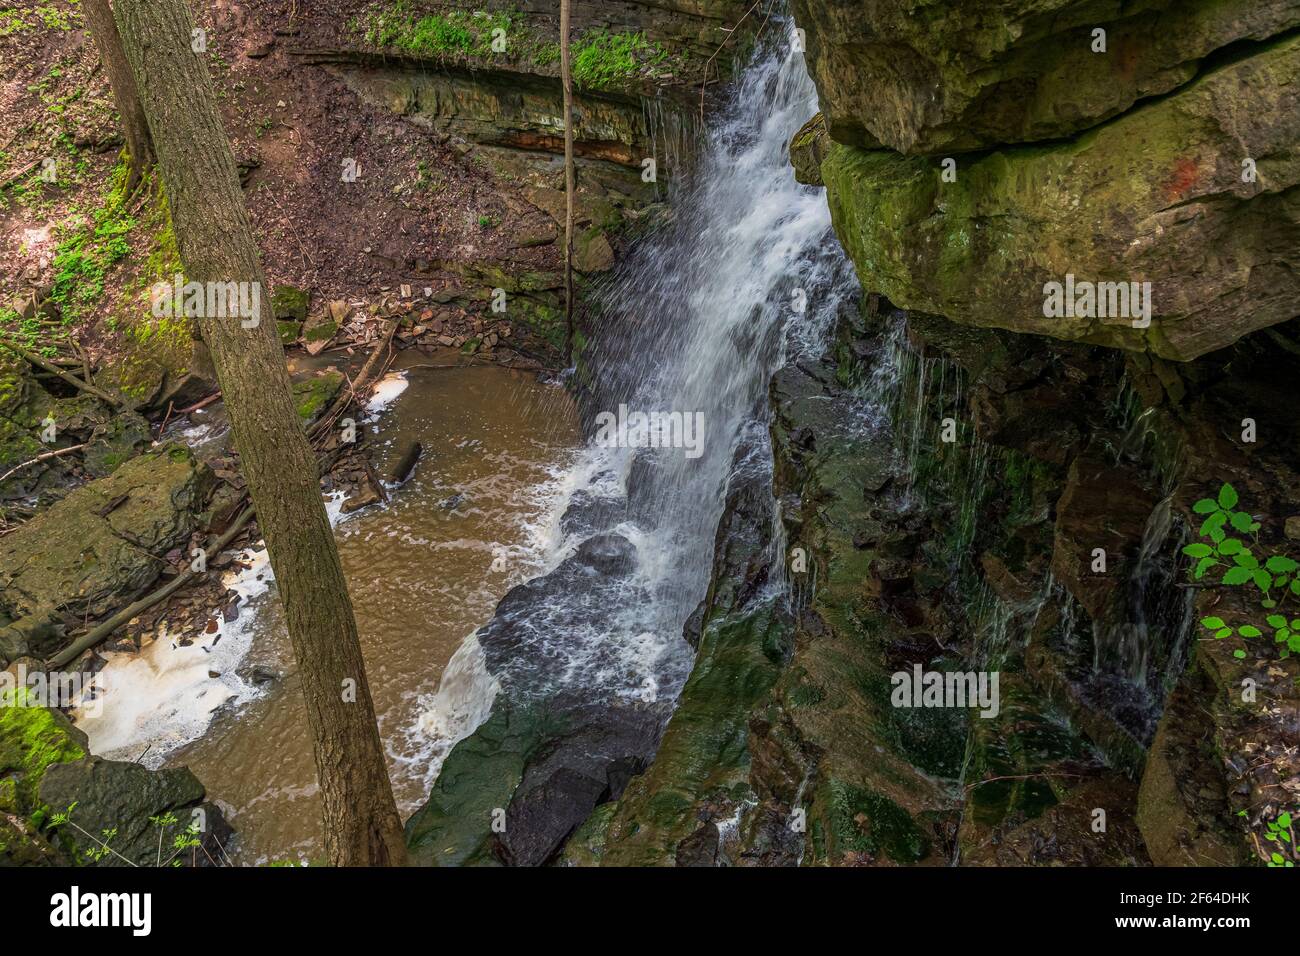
[[808, 148], [102, 544], [289, 304], [1194, 193], [146, 811], [954, 77]]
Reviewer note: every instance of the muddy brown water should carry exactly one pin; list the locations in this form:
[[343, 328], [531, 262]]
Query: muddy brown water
[[477, 516]]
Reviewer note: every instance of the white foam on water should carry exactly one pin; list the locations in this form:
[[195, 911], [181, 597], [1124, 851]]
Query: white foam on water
[[151, 702], [164, 696], [387, 390]]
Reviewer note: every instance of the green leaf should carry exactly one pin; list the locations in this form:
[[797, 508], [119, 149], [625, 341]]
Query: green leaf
[[1284, 821], [1213, 623], [1295, 586], [1206, 506], [1236, 576], [1276, 620], [1216, 535], [1280, 635], [1263, 580], [1295, 624], [1242, 521], [1230, 546], [1249, 630], [1227, 497], [1204, 565], [1239, 655], [1198, 550], [1213, 523], [1293, 642], [1221, 634], [1246, 560], [1280, 564], [1277, 858]]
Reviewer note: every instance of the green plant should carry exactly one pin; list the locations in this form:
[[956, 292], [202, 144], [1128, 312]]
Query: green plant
[[454, 33], [1231, 542], [601, 58], [181, 841], [1280, 833]]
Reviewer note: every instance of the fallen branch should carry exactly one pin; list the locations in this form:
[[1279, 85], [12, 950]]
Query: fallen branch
[[326, 421], [202, 403], [101, 633], [71, 379], [39, 458]]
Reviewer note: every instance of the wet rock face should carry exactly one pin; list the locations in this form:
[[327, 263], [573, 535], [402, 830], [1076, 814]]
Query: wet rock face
[[1082, 175], [513, 791], [956, 77]]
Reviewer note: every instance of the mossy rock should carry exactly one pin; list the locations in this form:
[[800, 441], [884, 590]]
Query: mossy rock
[[32, 739], [479, 776], [1149, 197], [289, 304], [703, 761], [954, 77], [311, 396], [85, 558], [289, 331], [587, 845]]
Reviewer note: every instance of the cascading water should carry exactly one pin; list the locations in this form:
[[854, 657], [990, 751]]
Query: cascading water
[[745, 276]]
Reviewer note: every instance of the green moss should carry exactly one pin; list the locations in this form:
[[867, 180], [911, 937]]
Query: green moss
[[601, 59], [862, 821], [289, 303], [460, 34], [31, 739], [312, 395], [89, 248], [704, 756]]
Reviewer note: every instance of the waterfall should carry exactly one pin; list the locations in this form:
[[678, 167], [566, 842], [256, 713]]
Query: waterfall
[[745, 276]]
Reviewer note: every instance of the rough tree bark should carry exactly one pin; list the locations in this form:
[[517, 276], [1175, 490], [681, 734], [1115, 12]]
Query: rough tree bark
[[216, 245], [135, 128], [566, 81]]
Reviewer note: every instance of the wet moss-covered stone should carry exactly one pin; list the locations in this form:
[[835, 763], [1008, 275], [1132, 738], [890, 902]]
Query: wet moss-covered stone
[[478, 779], [702, 765]]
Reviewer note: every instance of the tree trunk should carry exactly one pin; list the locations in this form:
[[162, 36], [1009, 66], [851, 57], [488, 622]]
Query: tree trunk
[[216, 245], [566, 81], [135, 129]]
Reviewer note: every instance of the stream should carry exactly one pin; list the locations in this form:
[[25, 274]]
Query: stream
[[477, 515]]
